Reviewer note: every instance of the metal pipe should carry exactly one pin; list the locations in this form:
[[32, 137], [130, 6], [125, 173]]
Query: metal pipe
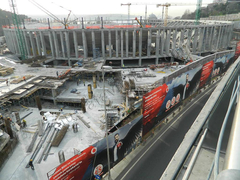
[[220, 137], [108, 157], [194, 157]]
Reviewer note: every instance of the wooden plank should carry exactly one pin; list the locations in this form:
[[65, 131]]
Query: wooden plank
[[57, 140]]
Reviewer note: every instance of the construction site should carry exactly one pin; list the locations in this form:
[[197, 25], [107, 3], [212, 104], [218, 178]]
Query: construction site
[[67, 91]]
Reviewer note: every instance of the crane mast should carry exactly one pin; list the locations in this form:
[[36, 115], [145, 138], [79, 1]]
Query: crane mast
[[20, 38]]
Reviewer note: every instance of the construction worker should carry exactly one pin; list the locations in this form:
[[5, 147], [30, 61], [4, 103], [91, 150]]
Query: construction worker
[[61, 109], [24, 78], [9, 119], [118, 111], [7, 82], [24, 123], [31, 164], [57, 73]]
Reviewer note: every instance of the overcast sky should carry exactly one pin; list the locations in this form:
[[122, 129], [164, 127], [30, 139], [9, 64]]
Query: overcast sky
[[98, 7]]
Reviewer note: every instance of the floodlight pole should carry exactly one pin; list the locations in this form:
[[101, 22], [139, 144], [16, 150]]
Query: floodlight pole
[[108, 157]]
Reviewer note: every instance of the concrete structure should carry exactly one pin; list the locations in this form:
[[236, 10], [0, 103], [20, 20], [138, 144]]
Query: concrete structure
[[122, 44]]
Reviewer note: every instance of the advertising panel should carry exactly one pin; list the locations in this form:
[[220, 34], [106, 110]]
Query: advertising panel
[[169, 97], [237, 51], [206, 73], [92, 162]]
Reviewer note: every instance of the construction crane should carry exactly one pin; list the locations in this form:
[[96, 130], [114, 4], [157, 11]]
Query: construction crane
[[65, 22], [198, 12], [16, 23], [128, 4], [166, 5]]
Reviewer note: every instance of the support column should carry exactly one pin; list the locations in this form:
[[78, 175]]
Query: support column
[[43, 44], [195, 40], [189, 38], [117, 41], [182, 37], [15, 39], [75, 44], [93, 44], [27, 43], [54, 94], [157, 46], [85, 50], [110, 43], [218, 37], [122, 45], [211, 38], [51, 44], [103, 44], [174, 38], [140, 47], [32, 44], [11, 42], [55, 43], [134, 43], [162, 41], [66, 33], [38, 43], [149, 42], [168, 42], [63, 44], [200, 43], [126, 35]]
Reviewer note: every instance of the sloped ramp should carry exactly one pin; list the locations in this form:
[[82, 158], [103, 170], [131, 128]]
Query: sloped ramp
[[57, 140]]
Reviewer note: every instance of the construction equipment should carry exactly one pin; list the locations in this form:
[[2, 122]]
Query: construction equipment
[[65, 22], [128, 4], [139, 22], [20, 37], [198, 11], [166, 5]]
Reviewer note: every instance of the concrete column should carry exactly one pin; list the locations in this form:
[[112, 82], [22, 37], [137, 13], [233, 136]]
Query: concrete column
[[75, 43], [211, 38], [10, 41], [54, 93], [230, 34], [32, 43], [206, 39], [93, 44], [182, 37], [134, 43], [168, 42], [85, 50], [201, 35], [195, 40], [110, 44], [149, 42], [66, 33], [43, 44], [38, 43], [117, 41], [103, 43], [55, 43], [63, 44], [94, 81], [218, 37], [126, 35], [140, 47], [174, 38], [157, 46], [189, 38], [51, 44], [162, 35], [15, 39], [122, 44], [27, 43]]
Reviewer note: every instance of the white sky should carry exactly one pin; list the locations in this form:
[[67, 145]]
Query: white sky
[[98, 7]]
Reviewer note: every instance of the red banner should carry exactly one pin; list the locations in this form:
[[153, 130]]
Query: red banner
[[152, 102], [75, 167], [206, 72]]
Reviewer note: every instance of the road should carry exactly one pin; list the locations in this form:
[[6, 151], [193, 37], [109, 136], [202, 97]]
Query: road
[[151, 162]]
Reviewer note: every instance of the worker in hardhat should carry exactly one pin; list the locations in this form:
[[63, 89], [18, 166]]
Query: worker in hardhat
[[31, 164], [24, 123]]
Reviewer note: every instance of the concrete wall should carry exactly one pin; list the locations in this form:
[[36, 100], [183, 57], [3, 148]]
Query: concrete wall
[[126, 43]]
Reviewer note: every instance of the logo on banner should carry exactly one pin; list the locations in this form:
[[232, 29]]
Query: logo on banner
[[94, 150], [98, 169]]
